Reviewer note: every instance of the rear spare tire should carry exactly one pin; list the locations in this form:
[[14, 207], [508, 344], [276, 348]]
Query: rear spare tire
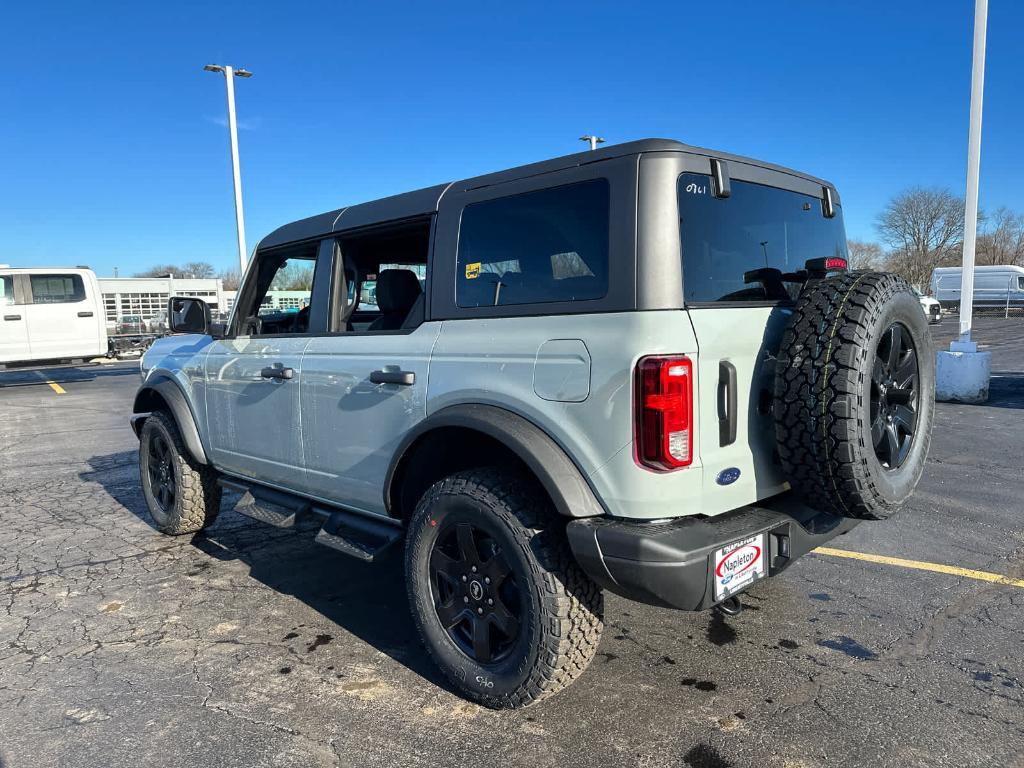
[[854, 394]]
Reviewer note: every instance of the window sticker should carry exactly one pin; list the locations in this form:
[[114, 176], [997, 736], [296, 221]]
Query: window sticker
[[473, 270]]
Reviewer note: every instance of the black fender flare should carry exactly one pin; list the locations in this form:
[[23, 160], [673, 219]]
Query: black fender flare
[[567, 486], [170, 392]]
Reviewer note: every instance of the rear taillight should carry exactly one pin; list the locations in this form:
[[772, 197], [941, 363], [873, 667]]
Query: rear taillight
[[664, 412]]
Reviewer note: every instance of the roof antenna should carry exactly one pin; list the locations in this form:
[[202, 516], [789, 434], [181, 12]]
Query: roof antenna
[[594, 141]]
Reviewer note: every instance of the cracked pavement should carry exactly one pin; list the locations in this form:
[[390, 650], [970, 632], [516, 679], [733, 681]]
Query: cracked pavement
[[253, 646]]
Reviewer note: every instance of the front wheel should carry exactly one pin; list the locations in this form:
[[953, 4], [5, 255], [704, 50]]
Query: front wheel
[[182, 495], [501, 605]]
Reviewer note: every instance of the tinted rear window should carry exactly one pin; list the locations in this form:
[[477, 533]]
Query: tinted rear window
[[57, 289], [724, 240], [538, 247]]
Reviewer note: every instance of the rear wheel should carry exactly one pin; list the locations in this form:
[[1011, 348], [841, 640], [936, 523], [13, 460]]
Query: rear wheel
[[495, 592], [183, 495], [854, 394]]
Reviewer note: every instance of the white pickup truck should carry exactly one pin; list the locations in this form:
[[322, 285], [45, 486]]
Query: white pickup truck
[[50, 313]]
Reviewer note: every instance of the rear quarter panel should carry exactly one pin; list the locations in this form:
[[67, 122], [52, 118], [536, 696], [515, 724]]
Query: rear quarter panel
[[495, 361]]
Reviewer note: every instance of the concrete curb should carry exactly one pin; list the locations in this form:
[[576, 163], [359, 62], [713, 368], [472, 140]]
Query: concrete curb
[[962, 377]]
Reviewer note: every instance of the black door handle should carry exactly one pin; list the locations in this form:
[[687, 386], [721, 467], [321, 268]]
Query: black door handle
[[405, 378], [12, 317], [726, 403], [85, 314], [277, 372]]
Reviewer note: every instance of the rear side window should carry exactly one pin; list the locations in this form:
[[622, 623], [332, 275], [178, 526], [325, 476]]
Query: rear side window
[[57, 289], [538, 247], [747, 246], [6, 290]]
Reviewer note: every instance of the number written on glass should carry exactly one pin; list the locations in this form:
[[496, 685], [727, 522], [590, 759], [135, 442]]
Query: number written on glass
[[697, 189]]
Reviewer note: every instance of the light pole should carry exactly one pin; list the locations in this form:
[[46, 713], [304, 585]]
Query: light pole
[[973, 170], [963, 373], [229, 74], [594, 141]]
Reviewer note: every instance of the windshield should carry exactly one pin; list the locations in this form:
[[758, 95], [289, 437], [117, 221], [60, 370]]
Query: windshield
[[747, 247]]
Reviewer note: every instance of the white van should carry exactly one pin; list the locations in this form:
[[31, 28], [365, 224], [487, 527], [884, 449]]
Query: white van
[[994, 286], [50, 314]]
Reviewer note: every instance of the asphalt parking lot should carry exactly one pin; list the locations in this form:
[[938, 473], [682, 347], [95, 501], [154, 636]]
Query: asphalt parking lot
[[252, 646]]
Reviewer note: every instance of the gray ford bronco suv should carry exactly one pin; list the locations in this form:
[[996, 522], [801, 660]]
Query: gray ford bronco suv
[[643, 369]]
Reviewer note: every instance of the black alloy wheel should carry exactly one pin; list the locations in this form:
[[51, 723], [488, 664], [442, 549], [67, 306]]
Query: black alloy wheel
[[476, 596], [501, 604], [161, 472], [894, 397]]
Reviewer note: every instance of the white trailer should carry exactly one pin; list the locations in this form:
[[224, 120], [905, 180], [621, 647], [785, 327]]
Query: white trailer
[[52, 313], [995, 287]]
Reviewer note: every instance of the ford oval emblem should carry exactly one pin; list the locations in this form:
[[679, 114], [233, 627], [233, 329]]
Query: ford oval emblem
[[728, 476]]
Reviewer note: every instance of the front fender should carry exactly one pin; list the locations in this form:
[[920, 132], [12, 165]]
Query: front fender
[[161, 391]]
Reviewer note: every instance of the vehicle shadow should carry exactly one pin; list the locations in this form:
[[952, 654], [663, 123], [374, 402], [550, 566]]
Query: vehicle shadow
[[1006, 390], [366, 599]]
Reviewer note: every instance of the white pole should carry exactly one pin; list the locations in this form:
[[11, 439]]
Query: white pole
[[973, 170], [229, 77]]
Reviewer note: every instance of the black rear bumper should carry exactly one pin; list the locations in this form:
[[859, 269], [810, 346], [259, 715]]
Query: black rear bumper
[[668, 563]]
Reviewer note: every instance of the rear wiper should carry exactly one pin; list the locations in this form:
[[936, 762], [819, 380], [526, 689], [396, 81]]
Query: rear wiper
[[771, 278]]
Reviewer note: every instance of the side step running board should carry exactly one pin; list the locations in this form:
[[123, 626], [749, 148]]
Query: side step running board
[[267, 506], [355, 535]]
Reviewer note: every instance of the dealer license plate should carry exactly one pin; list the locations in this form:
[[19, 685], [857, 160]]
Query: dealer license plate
[[737, 565]]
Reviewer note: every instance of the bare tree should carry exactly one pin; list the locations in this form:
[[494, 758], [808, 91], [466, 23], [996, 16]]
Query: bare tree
[[293, 276], [160, 270], [864, 255], [924, 229], [197, 269], [191, 269], [231, 279], [1002, 241]]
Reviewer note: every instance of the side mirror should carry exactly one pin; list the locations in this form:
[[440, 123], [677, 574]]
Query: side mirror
[[188, 315]]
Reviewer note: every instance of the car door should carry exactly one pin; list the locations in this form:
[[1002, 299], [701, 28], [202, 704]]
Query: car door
[[736, 370], [361, 393], [741, 256], [252, 407], [253, 375], [363, 389], [14, 342], [60, 316]]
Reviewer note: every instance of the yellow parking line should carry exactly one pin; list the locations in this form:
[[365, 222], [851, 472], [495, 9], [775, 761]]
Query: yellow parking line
[[56, 387], [951, 570]]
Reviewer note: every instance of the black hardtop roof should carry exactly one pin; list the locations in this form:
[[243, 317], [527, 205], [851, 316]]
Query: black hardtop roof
[[423, 202]]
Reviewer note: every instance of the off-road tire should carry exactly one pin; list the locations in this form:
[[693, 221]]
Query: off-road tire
[[822, 403], [197, 500], [562, 608]]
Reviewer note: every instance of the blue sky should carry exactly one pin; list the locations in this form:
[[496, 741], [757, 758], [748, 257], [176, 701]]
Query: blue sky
[[113, 150]]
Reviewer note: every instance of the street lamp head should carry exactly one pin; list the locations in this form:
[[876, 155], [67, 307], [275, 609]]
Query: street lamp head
[[213, 68], [243, 73]]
